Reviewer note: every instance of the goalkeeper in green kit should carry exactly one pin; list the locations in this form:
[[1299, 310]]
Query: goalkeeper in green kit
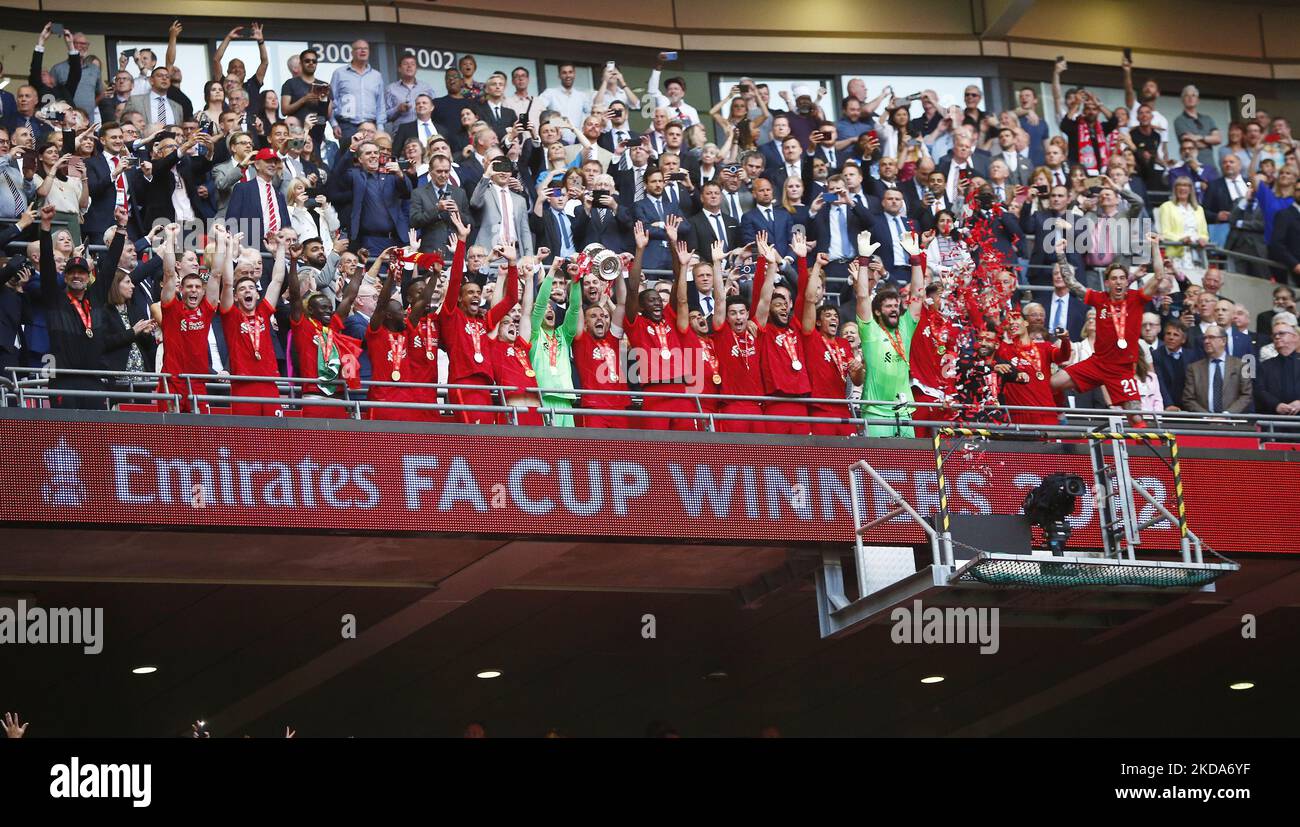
[[886, 331]]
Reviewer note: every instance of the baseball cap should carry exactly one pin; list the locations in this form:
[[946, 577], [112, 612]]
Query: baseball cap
[[77, 263], [266, 154]]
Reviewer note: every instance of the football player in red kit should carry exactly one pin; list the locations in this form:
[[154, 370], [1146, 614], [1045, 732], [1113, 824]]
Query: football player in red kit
[[703, 370], [387, 342], [831, 361], [319, 344], [1029, 382], [246, 321], [187, 319], [422, 333], [512, 364], [599, 364], [1119, 327], [655, 349], [782, 359], [464, 324]]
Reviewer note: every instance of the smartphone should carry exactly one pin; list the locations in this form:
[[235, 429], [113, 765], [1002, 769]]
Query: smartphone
[[670, 55], [597, 196], [609, 64], [502, 165], [677, 176], [966, 174], [1128, 54], [556, 192], [56, 29], [523, 119], [128, 53], [1060, 58], [1093, 182], [1042, 189]]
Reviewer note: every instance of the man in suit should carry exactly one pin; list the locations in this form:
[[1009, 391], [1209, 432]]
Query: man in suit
[[558, 230], [958, 163], [629, 171], [1042, 225], [822, 143], [678, 187], [712, 224], [1065, 310], [1217, 383], [431, 206], [768, 218], [592, 127], [109, 181], [1171, 358], [607, 222], [888, 179], [377, 220], [1283, 300], [1222, 193], [1018, 166], [888, 229], [1237, 343], [772, 148], [737, 198], [423, 127], [855, 187], [1285, 246], [170, 194], [493, 109], [1277, 387], [618, 130], [502, 213], [653, 211], [258, 205], [155, 105], [794, 163], [8, 106]]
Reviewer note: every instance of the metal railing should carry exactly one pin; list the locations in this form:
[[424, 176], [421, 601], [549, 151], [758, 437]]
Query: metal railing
[[35, 387]]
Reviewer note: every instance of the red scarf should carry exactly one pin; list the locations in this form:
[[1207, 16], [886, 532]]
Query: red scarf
[[1093, 150]]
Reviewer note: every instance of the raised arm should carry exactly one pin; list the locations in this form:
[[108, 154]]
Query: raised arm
[[573, 316], [511, 297], [630, 303], [681, 301], [1157, 266], [380, 315], [719, 291], [768, 282], [916, 291], [295, 294], [1067, 270], [260, 74], [381, 306], [276, 284], [809, 293], [168, 250], [350, 292], [1130, 97], [220, 53], [169, 60], [538, 311], [212, 287]]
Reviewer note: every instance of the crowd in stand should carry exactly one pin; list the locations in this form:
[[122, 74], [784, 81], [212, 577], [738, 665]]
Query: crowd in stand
[[353, 230]]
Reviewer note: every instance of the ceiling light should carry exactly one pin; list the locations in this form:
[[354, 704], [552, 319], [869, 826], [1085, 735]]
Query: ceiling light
[[488, 674], [715, 676], [144, 670], [1241, 685], [933, 679]]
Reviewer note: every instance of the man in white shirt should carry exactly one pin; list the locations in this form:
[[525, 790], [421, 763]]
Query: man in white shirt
[[145, 60], [1150, 95], [521, 100], [573, 104], [672, 98]]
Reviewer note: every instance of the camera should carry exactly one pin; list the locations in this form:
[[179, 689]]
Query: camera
[[677, 176], [292, 145], [403, 164], [731, 169], [503, 165], [598, 197]]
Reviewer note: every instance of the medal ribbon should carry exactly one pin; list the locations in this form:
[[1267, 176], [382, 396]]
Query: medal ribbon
[[82, 306]]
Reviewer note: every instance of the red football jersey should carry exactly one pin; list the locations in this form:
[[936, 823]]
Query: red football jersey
[[783, 361], [307, 339], [185, 337], [828, 364], [1117, 321], [932, 358], [387, 351], [737, 355], [599, 368], [248, 340], [657, 348], [422, 340]]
